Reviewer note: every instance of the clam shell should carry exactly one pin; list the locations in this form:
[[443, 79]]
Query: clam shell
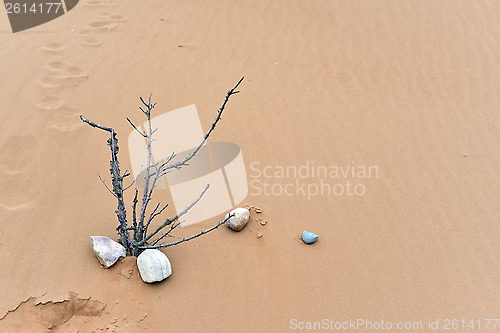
[[153, 266]]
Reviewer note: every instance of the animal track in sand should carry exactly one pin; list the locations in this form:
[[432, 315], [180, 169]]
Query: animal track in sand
[[91, 41], [63, 119], [50, 103], [49, 82], [73, 71], [84, 33], [113, 18], [18, 152], [101, 3], [55, 66], [108, 21], [55, 49], [61, 76], [17, 190], [103, 25]]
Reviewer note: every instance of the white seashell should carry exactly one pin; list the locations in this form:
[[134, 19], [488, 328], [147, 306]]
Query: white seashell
[[153, 265], [239, 220], [107, 250]]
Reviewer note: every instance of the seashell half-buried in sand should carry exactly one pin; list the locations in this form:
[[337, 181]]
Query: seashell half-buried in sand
[[153, 266]]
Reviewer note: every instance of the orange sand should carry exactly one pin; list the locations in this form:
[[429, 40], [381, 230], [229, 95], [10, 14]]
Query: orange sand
[[408, 86]]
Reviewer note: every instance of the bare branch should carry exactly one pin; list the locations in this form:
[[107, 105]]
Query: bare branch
[[104, 182], [175, 218], [91, 123], [133, 182], [117, 181], [187, 238], [138, 131], [217, 118], [172, 227], [134, 210], [153, 215], [191, 241]]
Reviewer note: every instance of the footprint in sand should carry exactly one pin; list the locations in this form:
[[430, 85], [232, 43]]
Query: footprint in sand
[[49, 82], [91, 41], [50, 103], [72, 71], [101, 3], [65, 120], [103, 25], [18, 153], [113, 18], [55, 66], [55, 49], [106, 22], [61, 75], [87, 38], [57, 115]]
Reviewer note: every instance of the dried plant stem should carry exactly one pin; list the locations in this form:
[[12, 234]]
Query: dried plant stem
[[117, 180], [153, 172]]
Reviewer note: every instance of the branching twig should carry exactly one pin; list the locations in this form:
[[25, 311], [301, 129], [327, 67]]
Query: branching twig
[[134, 210], [141, 133], [175, 218], [172, 227], [187, 238], [104, 182], [152, 216], [177, 165], [133, 182]]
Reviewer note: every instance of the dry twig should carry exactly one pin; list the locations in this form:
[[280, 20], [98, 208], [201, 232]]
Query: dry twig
[[153, 172]]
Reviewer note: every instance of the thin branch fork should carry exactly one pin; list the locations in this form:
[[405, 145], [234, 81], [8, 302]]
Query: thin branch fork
[[146, 197], [186, 239], [172, 228], [175, 218], [104, 182], [179, 164], [153, 215]]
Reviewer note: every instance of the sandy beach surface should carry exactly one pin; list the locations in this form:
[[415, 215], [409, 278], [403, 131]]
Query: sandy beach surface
[[398, 100]]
